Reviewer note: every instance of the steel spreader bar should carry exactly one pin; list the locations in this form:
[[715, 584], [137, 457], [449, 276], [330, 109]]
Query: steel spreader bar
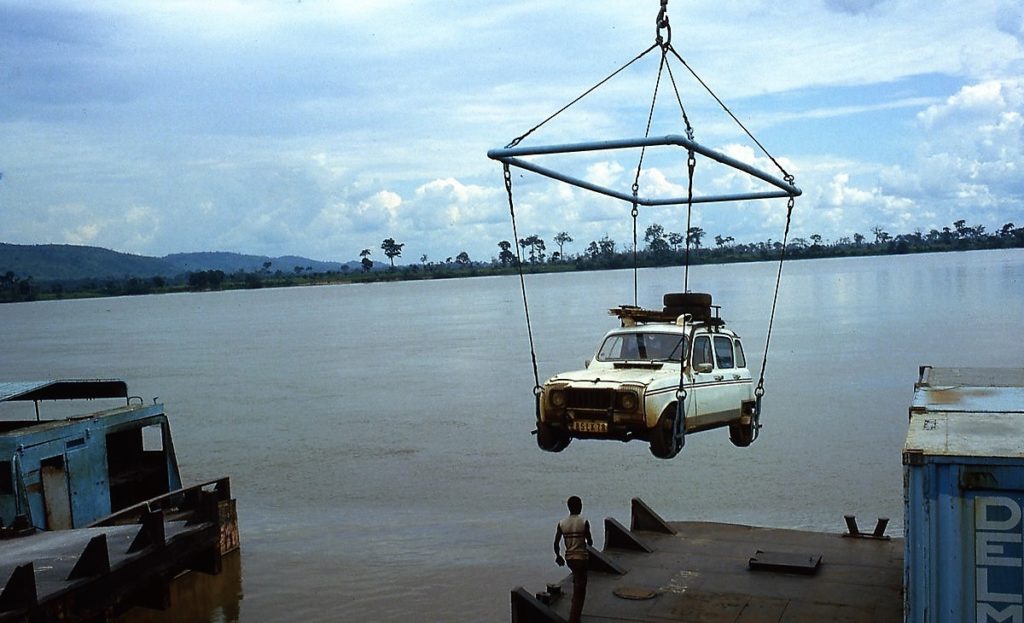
[[510, 156]]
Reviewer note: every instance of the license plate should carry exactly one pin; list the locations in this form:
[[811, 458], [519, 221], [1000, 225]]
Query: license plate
[[588, 426]]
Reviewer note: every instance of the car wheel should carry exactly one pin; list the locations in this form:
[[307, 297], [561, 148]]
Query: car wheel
[[663, 441], [687, 299], [551, 439], [741, 435]]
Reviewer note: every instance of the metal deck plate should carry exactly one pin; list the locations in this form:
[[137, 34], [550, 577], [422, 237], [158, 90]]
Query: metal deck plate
[[702, 575], [785, 562]]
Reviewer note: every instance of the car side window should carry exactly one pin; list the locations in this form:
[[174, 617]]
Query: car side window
[[741, 361], [723, 350], [702, 351]]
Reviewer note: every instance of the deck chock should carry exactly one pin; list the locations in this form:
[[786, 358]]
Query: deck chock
[[616, 536], [151, 533], [95, 559], [642, 517], [20, 591], [528, 609], [597, 561], [854, 532], [785, 562]]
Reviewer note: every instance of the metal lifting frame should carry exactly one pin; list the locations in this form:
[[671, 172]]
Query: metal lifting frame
[[510, 156]]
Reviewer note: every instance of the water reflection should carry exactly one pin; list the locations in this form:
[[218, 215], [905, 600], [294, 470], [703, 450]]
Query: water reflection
[[199, 598]]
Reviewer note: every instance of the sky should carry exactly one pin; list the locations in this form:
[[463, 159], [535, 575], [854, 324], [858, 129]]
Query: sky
[[319, 129]]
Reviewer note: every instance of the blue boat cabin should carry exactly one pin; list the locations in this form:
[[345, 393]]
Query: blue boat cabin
[[71, 470]]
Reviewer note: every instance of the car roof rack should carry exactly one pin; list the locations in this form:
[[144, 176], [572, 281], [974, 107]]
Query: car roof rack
[[631, 315]]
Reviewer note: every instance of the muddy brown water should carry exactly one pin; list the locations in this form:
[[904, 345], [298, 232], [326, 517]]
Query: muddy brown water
[[378, 436]]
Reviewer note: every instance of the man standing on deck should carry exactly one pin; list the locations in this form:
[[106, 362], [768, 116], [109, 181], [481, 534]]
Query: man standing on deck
[[575, 530]]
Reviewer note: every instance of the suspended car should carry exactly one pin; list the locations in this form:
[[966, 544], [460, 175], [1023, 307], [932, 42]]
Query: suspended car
[[669, 372], [662, 375]]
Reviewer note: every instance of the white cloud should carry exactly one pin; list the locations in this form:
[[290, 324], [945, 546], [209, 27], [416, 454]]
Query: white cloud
[[976, 100], [449, 202], [973, 146], [852, 6], [605, 173], [320, 129], [966, 163], [341, 219], [1010, 20], [385, 203], [82, 234]]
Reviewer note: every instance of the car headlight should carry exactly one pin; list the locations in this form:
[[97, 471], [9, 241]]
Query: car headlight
[[557, 398], [628, 401]]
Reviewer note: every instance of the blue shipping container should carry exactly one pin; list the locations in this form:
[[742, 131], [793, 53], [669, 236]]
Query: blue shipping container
[[963, 480]]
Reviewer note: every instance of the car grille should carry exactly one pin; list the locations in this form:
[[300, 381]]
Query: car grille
[[598, 399]]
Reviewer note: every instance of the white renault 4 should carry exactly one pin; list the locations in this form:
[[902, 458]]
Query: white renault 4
[[662, 375]]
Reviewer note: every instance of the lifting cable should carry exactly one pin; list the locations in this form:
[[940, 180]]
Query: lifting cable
[[639, 167], [759, 391], [664, 43], [522, 284], [511, 206], [519, 138]]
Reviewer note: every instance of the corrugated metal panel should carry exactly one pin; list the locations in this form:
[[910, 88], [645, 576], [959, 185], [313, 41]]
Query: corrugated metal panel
[[969, 390], [10, 390], [980, 435], [974, 377], [63, 389], [964, 494]]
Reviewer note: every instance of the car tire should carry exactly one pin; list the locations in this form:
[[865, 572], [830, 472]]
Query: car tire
[[663, 442], [697, 312], [551, 439], [741, 435], [687, 299]]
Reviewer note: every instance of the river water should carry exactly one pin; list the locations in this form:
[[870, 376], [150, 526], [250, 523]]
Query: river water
[[378, 436]]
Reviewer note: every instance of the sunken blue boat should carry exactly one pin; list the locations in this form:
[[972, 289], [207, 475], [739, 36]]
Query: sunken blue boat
[[93, 515], [70, 472]]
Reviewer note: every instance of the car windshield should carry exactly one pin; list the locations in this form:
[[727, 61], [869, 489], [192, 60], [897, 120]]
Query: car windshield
[[642, 346]]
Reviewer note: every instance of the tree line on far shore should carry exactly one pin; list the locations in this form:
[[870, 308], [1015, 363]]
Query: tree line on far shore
[[658, 248]]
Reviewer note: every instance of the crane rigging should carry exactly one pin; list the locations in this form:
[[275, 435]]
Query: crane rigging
[[688, 321]]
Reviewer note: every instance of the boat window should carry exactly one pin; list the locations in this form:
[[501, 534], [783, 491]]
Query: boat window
[[6, 478], [651, 346], [741, 360], [723, 350], [135, 470], [153, 438], [702, 351]]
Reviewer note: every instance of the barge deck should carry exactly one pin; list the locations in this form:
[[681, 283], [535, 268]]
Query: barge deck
[[698, 572], [125, 560]]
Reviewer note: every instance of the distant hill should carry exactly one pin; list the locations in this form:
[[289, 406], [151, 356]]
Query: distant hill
[[64, 262], [234, 262]]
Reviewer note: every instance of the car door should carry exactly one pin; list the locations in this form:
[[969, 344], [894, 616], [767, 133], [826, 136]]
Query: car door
[[732, 380], [704, 394]]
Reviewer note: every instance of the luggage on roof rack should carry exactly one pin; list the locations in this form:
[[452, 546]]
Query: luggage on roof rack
[[696, 305]]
